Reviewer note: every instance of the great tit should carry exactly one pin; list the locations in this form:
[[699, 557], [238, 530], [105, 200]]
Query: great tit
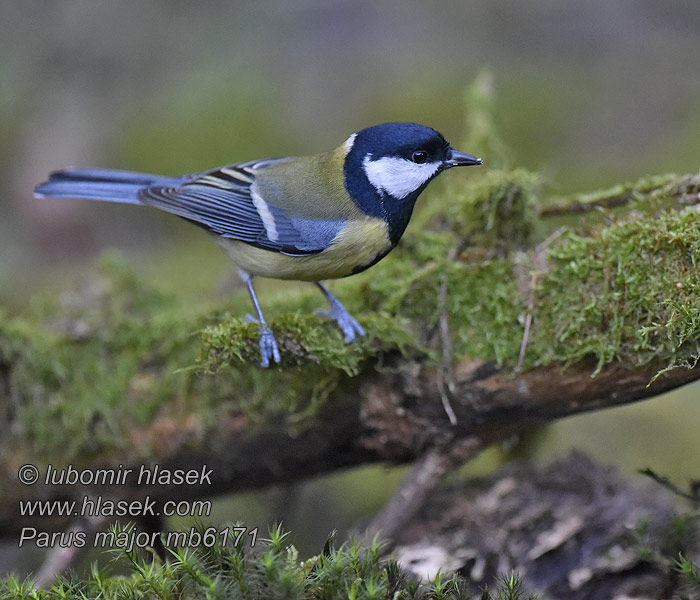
[[307, 218]]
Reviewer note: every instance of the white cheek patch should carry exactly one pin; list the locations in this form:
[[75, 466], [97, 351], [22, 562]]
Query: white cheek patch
[[398, 177]]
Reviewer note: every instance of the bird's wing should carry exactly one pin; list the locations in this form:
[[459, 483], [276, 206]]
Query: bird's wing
[[224, 201]]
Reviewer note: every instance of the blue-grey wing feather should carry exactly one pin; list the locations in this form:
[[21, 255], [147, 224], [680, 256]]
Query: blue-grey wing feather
[[221, 201]]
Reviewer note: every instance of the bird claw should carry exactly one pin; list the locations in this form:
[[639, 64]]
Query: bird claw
[[268, 344], [347, 323]]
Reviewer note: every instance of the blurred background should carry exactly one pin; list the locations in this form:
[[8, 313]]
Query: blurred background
[[590, 94]]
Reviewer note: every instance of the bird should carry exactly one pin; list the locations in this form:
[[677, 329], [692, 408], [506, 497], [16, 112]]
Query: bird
[[307, 218]]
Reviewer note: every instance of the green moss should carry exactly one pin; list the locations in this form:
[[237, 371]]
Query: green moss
[[629, 292], [647, 195], [497, 209], [482, 301], [304, 339], [85, 372], [690, 573], [644, 189], [82, 369], [269, 569]]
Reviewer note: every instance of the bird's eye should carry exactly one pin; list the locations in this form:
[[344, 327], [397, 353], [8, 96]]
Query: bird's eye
[[419, 157]]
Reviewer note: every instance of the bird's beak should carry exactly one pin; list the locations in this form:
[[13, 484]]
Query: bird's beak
[[460, 159]]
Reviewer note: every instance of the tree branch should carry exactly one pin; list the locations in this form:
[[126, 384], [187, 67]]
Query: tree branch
[[99, 380], [394, 418]]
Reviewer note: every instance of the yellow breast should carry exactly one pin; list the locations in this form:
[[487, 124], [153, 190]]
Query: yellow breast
[[356, 246]]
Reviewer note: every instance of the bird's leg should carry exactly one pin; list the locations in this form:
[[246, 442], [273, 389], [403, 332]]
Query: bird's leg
[[268, 343], [349, 326]]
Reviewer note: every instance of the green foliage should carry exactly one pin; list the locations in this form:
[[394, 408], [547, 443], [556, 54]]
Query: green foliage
[[690, 574], [271, 569], [510, 587]]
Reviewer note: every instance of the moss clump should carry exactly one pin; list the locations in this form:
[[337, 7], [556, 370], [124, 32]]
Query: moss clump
[[482, 300], [269, 569], [498, 209], [628, 292], [305, 339]]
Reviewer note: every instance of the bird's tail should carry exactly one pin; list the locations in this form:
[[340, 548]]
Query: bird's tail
[[101, 184]]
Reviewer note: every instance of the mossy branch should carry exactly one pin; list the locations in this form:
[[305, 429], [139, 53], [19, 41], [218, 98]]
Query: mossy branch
[[120, 372]]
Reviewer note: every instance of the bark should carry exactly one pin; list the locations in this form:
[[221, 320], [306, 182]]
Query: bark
[[394, 416]]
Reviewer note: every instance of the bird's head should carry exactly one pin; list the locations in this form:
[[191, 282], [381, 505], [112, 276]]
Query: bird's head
[[387, 166]]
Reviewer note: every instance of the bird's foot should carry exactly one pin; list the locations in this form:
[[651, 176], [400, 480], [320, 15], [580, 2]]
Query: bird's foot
[[348, 325], [268, 344]]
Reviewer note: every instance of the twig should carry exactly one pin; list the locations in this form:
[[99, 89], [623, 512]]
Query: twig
[[446, 380], [578, 207], [59, 559], [538, 263], [424, 476], [528, 321], [684, 189], [666, 483]]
